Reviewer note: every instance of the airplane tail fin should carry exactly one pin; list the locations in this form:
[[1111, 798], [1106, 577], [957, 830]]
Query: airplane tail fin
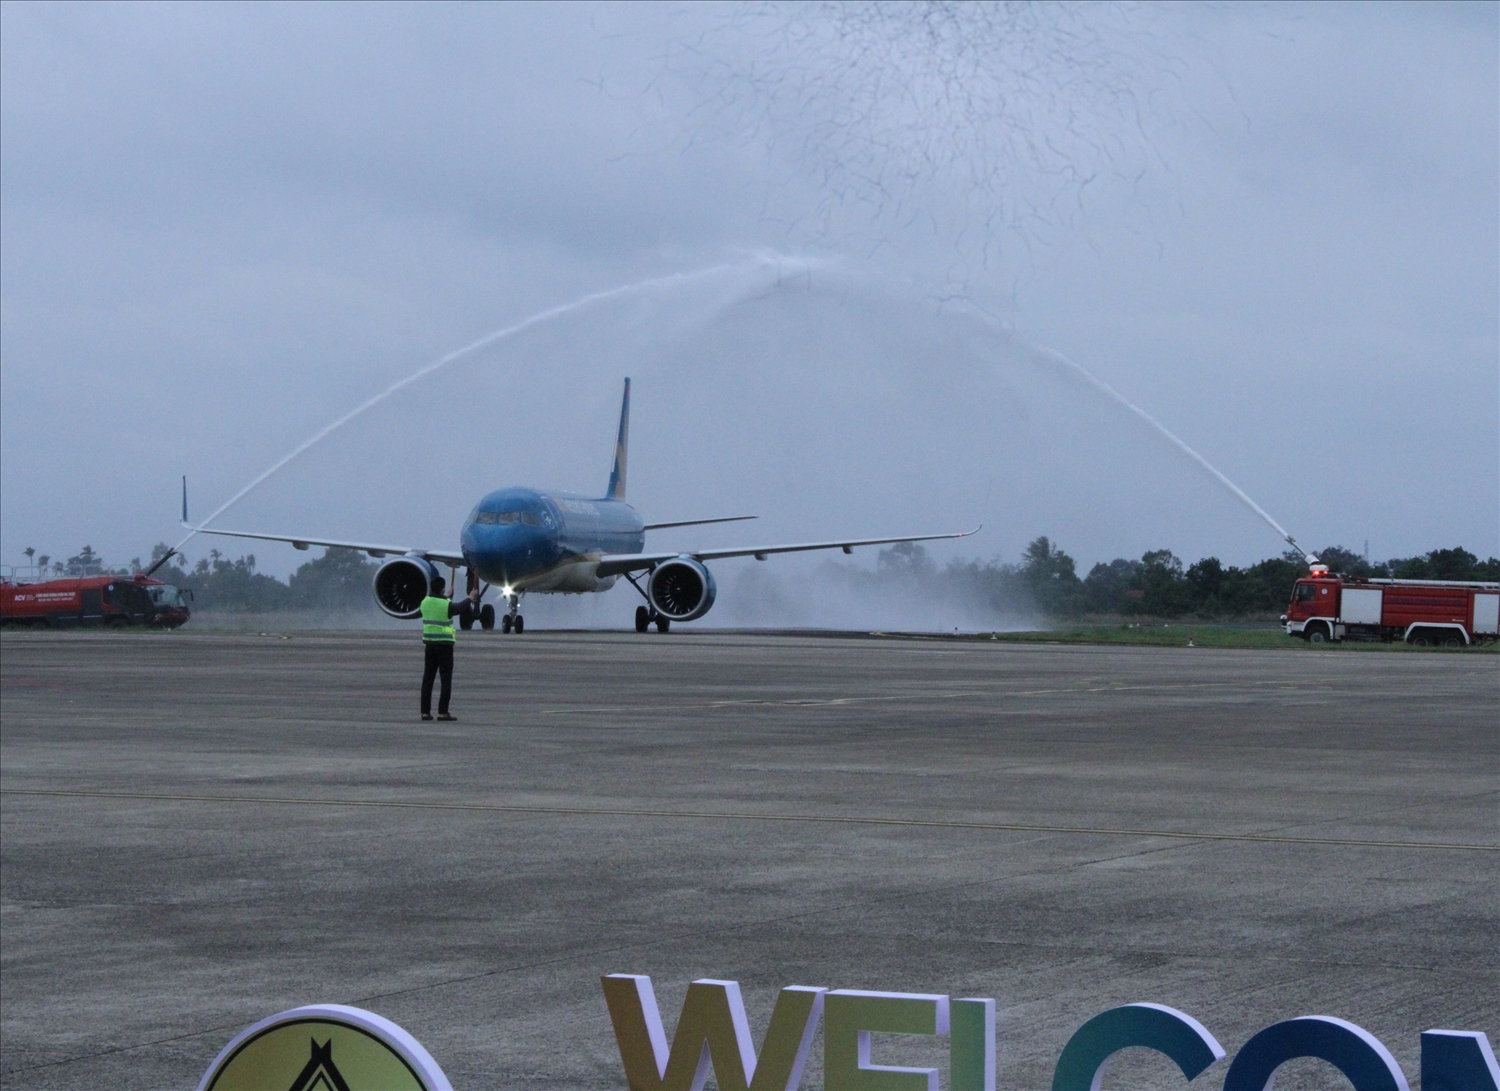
[[622, 443]]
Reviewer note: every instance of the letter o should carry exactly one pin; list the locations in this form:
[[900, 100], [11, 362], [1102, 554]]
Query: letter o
[[1353, 1050]]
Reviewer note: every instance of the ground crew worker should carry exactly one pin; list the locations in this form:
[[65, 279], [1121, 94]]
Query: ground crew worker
[[438, 611]]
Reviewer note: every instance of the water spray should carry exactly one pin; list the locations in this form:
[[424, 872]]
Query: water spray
[[1099, 384], [765, 261], [1055, 357]]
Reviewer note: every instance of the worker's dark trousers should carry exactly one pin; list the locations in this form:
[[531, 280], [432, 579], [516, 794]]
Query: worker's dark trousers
[[439, 661]]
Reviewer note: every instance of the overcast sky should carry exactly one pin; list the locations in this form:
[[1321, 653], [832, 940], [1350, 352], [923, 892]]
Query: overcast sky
[[1274, 228]]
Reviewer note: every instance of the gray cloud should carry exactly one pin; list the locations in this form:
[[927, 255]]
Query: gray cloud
[[224, 225]]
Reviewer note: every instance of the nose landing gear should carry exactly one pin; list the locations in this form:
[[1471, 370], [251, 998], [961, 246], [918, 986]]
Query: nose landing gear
[[513, 622]]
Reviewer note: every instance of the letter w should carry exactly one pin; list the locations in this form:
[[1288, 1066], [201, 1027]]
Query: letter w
[[712, 1034]]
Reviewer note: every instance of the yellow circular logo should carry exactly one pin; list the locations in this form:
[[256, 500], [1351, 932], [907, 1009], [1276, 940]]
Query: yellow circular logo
[[326, 1047]]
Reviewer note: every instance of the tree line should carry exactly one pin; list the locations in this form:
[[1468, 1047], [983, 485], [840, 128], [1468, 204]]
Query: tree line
[[339, 580], [1045, 580], [1157, 585]]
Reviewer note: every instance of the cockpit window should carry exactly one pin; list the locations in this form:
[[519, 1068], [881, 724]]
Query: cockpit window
[[130, 596], [164, 594]]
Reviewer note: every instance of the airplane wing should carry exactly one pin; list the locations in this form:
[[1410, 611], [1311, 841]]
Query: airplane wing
[[374, 549], [616, 564]]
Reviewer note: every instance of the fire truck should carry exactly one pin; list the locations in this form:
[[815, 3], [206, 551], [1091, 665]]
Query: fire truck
[[1427, 613], [94, 600]]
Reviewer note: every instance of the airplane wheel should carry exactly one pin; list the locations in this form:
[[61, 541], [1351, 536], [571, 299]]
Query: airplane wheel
[[487, 617], [520, 625], [505, 624], [642, 619], [663, 623], [466, 621]]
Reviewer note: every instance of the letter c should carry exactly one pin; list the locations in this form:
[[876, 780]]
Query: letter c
[[1353, 1050], [1084, 1059]]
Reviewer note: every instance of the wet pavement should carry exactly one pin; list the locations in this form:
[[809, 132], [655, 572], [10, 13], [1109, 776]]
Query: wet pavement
[[201, 829]]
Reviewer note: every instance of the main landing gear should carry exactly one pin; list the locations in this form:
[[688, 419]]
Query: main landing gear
[[485, 615], [471, 611], [646, 617], [512, 622]]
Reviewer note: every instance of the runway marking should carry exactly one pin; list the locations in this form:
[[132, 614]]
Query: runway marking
[[793, 702], [750, 816]]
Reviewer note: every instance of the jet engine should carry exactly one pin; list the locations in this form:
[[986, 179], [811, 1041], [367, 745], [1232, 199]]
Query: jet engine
[[401, 584], [681, 589]]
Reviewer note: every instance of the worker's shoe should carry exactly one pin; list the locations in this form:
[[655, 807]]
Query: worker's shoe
[[426, 715], [445, 716]]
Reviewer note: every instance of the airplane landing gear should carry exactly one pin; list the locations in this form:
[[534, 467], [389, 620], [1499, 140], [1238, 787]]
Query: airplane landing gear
[[513, 622], [646, 615], [645, 618], [472, 610]]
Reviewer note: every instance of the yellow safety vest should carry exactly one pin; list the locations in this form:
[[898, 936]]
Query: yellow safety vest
[[437, 627]]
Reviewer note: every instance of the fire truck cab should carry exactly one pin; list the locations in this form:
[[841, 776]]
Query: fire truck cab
[[1427, 613]]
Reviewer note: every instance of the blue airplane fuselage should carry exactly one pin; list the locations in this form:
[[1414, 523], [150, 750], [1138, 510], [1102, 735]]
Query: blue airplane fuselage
[[528, 540]]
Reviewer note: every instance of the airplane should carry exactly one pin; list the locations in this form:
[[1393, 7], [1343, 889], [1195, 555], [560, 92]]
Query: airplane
[[533, 541]]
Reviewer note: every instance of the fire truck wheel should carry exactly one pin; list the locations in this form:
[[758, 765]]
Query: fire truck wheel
[[1316, 634], [1421, 639], [1453, 640]]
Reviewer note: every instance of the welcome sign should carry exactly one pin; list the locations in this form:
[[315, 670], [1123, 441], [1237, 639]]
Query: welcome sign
[[330, 1047], [713, 1036]]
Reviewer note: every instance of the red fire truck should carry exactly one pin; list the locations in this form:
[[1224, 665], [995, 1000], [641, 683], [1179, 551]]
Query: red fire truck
[[94, 600], [1450, 613]]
